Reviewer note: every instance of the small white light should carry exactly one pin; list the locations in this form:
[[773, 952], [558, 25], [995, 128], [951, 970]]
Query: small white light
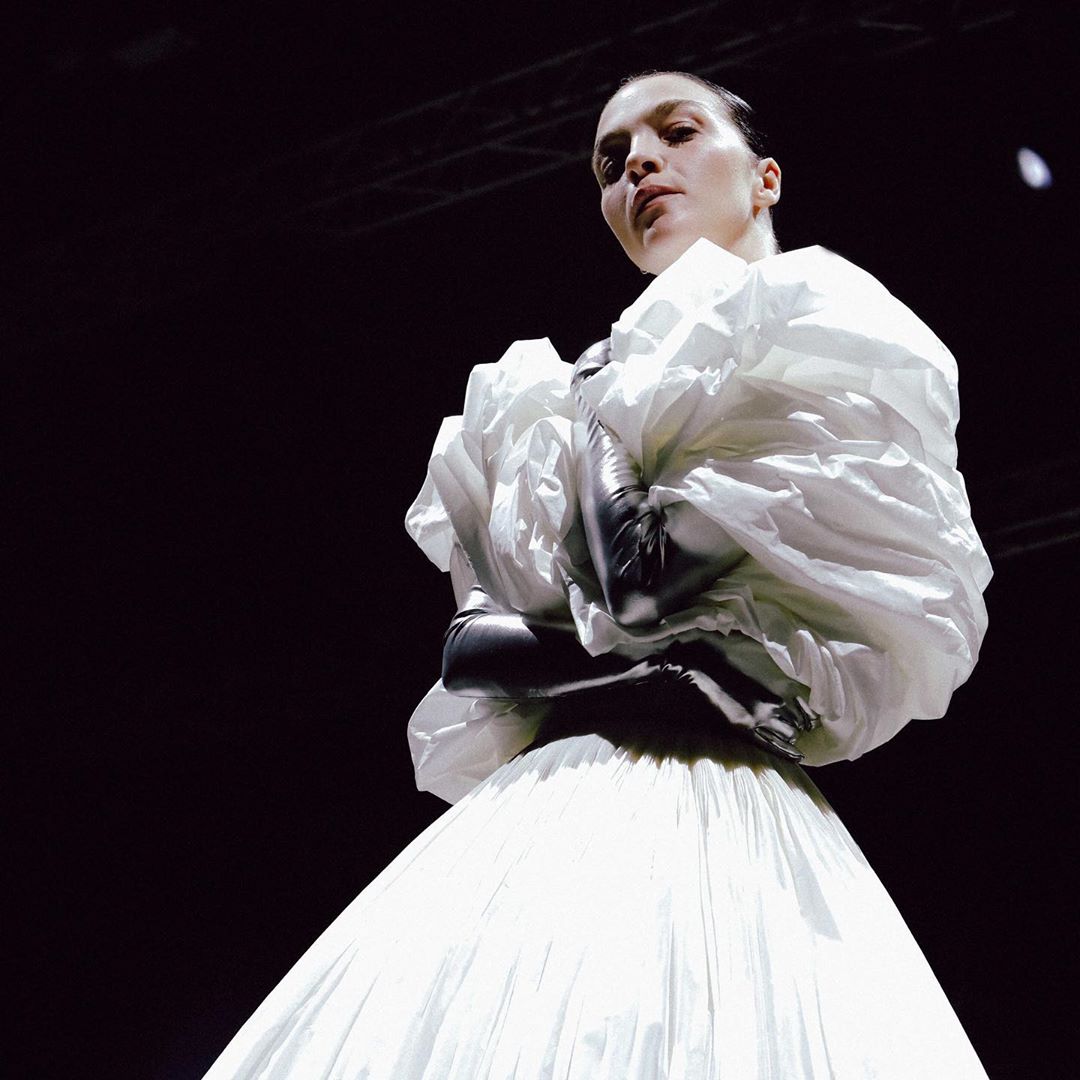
[[1033, 170]]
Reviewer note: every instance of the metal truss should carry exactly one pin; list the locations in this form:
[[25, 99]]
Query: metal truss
[[540, 118], [496, 133]]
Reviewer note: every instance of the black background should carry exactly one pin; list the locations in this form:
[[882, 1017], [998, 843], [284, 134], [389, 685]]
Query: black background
[[222, 626]]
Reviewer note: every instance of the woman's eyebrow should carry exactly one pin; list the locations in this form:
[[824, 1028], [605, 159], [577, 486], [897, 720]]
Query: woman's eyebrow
[[658, 112]]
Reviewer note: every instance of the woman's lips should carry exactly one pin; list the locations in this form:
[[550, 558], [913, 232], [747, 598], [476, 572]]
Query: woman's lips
[[645, 211]]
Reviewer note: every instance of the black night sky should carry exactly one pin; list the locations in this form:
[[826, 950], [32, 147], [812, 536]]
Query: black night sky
[[221, 627]]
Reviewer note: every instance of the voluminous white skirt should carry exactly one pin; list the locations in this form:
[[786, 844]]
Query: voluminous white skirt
[[617, 907]]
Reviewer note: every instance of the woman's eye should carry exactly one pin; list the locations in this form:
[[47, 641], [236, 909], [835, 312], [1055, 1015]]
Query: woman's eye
[[610, 170], [680, 133]]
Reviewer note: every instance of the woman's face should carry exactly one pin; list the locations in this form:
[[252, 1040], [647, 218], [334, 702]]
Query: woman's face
[[673, 168]]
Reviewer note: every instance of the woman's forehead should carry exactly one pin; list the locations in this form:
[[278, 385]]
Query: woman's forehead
[[637, 100]]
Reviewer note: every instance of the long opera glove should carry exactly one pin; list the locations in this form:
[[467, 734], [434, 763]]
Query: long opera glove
[[649, 563], [488, 652], [492, 653]]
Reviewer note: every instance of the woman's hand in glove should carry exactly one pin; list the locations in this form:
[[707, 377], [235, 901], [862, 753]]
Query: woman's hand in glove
[[748, 706]]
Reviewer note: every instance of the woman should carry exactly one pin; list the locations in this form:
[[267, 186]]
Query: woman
[[731, 538]]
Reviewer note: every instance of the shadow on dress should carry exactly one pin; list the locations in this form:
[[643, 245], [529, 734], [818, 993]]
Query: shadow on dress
[[664, 722]]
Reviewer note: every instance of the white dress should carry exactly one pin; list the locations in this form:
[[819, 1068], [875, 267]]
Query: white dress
[[628, 895]]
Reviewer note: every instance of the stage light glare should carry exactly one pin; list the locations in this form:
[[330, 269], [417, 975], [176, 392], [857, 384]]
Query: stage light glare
[[1033, 170]]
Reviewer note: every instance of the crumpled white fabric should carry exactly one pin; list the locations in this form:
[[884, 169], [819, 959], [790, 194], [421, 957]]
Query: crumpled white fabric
[[799, 405]]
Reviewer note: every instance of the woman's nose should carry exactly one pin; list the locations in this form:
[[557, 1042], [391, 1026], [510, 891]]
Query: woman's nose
[[643, 159]]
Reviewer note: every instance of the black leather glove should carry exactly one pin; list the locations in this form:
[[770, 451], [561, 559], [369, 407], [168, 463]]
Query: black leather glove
[[769, 721], [488, 652], [647, 565], [496, 654]]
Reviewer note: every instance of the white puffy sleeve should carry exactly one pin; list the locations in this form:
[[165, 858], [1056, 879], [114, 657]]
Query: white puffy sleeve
[[496, 509], [799, 406], [804, 409]]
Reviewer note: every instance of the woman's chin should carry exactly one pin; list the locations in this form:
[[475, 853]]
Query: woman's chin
[[661, 251]]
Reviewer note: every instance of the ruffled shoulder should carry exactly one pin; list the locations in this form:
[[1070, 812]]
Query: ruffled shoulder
[[805, 322]]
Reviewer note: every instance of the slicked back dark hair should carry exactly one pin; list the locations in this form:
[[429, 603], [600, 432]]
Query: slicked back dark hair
[[739, 112]]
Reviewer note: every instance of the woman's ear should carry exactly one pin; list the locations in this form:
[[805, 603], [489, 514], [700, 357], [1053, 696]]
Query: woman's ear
[[767, 183]]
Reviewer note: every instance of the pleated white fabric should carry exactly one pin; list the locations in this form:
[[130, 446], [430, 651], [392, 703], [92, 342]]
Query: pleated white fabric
[[597, 911]]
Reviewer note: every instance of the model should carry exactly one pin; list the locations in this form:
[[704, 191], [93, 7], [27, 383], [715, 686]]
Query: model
[[730, 538]]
